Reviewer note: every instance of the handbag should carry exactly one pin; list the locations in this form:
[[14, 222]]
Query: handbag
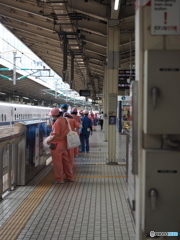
[[72, 138], [52, 146]]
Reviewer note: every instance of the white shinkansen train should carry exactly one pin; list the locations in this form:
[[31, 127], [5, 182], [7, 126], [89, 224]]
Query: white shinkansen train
[[11, 113]]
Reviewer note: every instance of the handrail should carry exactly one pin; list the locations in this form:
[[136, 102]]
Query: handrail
[[11, 136]]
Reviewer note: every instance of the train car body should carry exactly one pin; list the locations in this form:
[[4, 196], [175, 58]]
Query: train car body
[[28, 154], [11, 113]]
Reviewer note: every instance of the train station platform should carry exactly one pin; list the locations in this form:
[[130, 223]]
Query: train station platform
[[93, 207]]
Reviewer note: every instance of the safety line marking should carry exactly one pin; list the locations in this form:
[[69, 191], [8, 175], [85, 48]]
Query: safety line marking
[[15, 224]]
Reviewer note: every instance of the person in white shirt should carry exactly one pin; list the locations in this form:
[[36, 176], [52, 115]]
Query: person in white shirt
[[101, 120]]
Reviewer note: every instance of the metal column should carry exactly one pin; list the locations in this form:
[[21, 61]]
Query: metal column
[[72, 71], [113, 36], [65, 41], [105, 103]]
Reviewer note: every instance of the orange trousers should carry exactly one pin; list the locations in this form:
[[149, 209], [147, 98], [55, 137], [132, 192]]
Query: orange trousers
[[76, 151], [61, 163], [71, 157]]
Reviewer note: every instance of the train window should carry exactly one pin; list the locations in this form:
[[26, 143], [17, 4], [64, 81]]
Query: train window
[[5, 117], [15, 117], [2, 117], [19, 116]]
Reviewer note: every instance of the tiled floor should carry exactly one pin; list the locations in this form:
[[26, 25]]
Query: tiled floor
[[94, 207]]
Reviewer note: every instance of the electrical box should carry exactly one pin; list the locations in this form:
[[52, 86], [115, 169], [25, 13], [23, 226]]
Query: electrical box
[[161, 195], [162, 92]]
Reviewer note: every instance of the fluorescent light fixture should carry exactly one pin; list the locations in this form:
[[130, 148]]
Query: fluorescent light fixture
[[2, 93], [116, 4], [25, 97]]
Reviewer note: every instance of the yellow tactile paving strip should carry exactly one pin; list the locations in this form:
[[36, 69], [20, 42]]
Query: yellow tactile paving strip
[[99, 176], [12, 228]]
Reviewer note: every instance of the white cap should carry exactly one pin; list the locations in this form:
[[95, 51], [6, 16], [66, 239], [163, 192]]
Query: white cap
[[86, 112]]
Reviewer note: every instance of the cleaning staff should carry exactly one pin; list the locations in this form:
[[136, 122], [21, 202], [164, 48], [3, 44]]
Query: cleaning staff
[[59, 153]]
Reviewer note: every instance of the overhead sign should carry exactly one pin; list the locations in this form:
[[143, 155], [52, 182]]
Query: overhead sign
[[165, 17], [85, 93], [125, 75], [99, 95], [124, 98], [139, 3]]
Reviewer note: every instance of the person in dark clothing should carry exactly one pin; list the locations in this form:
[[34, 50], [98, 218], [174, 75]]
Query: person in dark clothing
[[64, 107], [101, 120], [85, 131]]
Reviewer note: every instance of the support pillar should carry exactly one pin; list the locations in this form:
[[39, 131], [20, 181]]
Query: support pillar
[[14, 68], [105, 105], [72, 71], [113, 41], [65, 42]]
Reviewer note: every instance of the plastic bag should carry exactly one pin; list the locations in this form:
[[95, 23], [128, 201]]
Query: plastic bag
[[45, 142]]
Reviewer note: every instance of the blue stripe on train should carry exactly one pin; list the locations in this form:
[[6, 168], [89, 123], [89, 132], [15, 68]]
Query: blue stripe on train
[[8, 123], [4, 123]]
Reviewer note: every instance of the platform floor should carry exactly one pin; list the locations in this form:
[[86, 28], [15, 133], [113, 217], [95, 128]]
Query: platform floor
[[94, 207]]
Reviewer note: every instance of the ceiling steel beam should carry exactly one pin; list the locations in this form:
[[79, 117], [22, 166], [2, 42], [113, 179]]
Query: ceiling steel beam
[[39, 41], [96, 53], [93, 26], [91, 9], [91, 55], [98, 50], [31, 22], [115, 13], [34, 30], [26, 7]]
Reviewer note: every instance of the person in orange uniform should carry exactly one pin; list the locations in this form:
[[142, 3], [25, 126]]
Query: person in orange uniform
[[59, 154], [78, 119], [74, 125], [81, 113]]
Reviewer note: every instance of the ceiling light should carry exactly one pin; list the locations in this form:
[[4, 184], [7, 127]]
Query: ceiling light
[[116, 4], [25, 97]]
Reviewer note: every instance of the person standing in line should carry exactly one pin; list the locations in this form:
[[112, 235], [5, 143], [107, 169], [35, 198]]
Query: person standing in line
[[58, 146], [85, 131], [101, 119], [81, 113], [95, 121], [91, 116], [64, 107], [78, 119], [74, 125]]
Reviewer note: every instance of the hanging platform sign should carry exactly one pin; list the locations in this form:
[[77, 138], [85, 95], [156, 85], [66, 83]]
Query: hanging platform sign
[[139, 3], [165, 17]]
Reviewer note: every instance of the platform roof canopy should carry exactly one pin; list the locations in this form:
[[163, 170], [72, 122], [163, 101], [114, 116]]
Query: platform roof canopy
[[47, 27]]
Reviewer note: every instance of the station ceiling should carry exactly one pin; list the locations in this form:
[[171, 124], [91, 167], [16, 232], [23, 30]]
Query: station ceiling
[[47, 27]]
